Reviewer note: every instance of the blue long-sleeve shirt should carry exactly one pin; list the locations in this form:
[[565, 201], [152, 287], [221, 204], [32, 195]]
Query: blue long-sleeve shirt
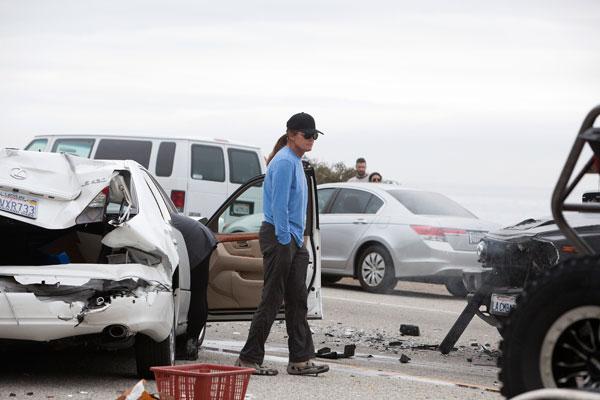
[[285, 196]]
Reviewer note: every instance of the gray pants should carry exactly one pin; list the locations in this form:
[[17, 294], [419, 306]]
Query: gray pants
[[285, 280]]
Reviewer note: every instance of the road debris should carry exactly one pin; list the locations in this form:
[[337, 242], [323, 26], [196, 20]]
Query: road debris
[[409, 330], [326, 352], [404, 359], [137, 392]]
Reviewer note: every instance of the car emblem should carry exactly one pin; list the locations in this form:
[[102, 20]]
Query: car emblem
[[18, 173]]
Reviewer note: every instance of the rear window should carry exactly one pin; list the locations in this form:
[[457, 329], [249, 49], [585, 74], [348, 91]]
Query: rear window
[[243, 165], [430, 203], [121, 149], [78, 147], [37, 145], [165, 158], [208, 163]]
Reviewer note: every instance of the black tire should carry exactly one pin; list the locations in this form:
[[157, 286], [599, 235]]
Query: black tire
[[330, 279], [546, 335], [456, 287], [149, 353], [375, 270]]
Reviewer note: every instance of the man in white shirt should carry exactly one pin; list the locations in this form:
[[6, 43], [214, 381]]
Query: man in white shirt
[[361, 171]]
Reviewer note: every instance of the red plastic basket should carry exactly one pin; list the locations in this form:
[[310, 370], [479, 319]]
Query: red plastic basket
[[202, 382]]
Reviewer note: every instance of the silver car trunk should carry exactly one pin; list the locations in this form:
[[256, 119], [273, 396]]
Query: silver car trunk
[[463, 234]]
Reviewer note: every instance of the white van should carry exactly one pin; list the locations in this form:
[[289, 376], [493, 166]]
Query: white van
[[198, 174]]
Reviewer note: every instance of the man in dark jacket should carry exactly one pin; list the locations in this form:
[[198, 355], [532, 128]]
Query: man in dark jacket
[[200, 243]]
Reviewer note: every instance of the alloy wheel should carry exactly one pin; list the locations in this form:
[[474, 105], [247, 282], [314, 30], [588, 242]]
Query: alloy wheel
[[373, 269]]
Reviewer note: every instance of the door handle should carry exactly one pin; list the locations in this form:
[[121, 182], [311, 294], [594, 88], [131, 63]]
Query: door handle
[[242, 244], [360, 221]]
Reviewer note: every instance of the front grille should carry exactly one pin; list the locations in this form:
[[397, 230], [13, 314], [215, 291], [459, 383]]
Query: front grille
[[516, 261]]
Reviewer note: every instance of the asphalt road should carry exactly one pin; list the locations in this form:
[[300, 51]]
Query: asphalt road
[[369, 321]]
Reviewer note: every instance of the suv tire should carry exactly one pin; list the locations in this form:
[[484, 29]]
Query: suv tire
[[551, 333]]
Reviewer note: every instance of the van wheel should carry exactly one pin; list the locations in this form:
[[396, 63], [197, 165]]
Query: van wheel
[[376, 271], [552, 338], [456, 287], [149, 353]]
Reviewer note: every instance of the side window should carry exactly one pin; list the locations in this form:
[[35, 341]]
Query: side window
[[245, 213], [208, 163], [243, 165], [165, 158], [351, 201], [324, 196], [122, 149], [374, 205], [37, 145], [77, 147]]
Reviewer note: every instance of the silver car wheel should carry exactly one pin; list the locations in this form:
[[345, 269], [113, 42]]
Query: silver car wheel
[[373, 269]]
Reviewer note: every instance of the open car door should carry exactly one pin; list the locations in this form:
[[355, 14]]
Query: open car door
[[236, 266]]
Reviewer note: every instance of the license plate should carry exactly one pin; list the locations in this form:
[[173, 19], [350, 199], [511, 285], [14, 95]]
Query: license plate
[[475, 237], [19, 204], [502, 304]]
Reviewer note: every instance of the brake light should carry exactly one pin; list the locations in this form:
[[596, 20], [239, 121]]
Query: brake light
[[436, 233], [100, 200], [94, 212], [178, 199]]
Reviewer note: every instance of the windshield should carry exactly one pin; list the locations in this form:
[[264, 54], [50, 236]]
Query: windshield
[[430, 203]]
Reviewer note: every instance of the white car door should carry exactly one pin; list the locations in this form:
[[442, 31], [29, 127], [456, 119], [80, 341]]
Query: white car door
[[236, 266]]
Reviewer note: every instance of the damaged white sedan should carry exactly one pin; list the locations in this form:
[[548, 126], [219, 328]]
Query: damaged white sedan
[[89, 255]]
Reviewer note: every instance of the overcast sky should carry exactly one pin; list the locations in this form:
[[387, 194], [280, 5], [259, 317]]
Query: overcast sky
[[461, 92]]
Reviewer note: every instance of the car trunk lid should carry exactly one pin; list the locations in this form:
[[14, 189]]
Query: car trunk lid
[[57, 187], [463, 234]]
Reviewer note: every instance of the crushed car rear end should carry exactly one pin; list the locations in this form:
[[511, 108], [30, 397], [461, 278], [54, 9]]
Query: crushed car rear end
[[81, 258]]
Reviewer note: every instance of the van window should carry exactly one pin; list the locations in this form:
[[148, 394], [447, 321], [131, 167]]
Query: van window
[[122, 149], [164, 159], [37, 145], [78, 147], [243, 165], [208, 163]]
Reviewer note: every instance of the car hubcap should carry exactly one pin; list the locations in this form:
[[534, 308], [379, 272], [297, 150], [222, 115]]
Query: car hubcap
[[373, 269], [570, 355]]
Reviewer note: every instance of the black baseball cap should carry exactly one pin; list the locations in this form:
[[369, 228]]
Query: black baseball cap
[[302, 122]]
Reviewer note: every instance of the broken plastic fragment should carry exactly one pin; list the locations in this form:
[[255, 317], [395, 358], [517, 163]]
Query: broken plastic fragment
[[404, 359], [409, 330]]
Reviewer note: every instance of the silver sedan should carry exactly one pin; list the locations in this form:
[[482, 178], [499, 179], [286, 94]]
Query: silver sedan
[[379, 233]]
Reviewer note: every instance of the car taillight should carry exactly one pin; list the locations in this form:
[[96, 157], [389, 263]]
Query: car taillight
[[178, 198], [100, 199], [94, 212], [436, 233]]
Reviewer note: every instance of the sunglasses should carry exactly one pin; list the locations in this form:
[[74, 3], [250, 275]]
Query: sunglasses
[[308, 135], [376, 180]]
